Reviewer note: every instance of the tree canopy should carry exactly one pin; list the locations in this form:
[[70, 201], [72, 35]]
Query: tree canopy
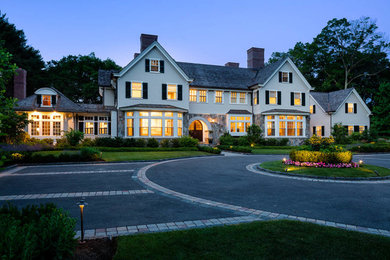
[[77, 76], [24, 56], [344, 54]]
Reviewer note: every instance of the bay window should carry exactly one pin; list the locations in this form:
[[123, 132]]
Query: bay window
[[239, 124], [287, 125], [47, 124]]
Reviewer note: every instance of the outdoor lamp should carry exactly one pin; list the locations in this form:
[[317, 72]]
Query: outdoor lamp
[[81, 204], [360, 162], [284, 159]]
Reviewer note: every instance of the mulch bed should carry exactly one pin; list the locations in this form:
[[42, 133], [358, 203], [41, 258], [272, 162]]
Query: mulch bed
[[102, 248]]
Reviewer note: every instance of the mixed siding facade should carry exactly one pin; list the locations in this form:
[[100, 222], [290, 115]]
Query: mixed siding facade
[[156, 97]]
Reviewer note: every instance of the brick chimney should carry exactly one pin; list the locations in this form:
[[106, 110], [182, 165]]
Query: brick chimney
[[255, 58], [20, 83], [146, 40], [232, 64]]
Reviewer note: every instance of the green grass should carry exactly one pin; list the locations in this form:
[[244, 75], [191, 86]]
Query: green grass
[[271, 151], [281, 239], [363, 171], [137, 156]]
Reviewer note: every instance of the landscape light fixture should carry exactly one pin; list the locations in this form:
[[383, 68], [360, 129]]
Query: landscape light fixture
[[360, 162], [81, 204], [284, 159]]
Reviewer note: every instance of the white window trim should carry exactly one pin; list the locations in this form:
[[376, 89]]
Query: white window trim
[[276, 97], [177, 92], [255, 96], [131, 89], [238, 98], [288, 76], [51, 120], [51, 101], [300, 96], [150, 65], [277, 120], [98, 123], [222, 97], [238, 115], [198, 96], [353, 108]]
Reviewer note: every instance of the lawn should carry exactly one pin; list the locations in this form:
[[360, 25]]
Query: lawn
[[270, 151], [281, 239], [363, 171], [136, 156]]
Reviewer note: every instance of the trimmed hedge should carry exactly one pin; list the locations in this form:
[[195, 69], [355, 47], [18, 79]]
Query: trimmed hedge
[[325, 157], [240, 149], [85, 154], [209, 149], [372, 148], [145, 149]]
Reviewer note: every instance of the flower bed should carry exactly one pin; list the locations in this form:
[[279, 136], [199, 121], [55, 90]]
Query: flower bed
[[322, 164]]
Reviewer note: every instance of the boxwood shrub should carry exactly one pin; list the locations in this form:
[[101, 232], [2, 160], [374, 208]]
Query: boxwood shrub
[[372, 148], [209, 149], [317, 156]]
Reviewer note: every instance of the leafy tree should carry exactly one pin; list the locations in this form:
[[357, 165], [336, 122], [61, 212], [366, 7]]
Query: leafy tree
[[340, 134], [381, 110], [23, 55], [77, 76], [254, 134], [11, 123]]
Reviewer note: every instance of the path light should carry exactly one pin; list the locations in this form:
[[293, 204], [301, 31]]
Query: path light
[[252, 145], [284, 160], [81, 204], [360, 162]]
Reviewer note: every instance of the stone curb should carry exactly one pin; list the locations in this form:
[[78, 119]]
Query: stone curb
[[324, 177]]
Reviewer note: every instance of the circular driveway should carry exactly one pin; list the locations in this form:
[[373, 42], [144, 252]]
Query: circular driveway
[[226, 180]]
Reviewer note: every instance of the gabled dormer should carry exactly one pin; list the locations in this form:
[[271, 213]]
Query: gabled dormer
[[46, 97]]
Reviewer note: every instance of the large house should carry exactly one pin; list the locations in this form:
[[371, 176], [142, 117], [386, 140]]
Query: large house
[[156, 96]]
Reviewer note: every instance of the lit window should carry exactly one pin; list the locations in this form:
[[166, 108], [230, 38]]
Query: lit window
[[35, 128], [319, 131], [350, 107], [282, 128], [154, 114], [179, 115], [255, 101], [144, 127], [282, 117], [311, 109], [299, 117], [218, 96], [270, 117], [242, 98], [103, 128], [136, 90], [56, 128], [172, 92], [361, 128], [290, 128], [156, 127], [284, 76], [271, 128], [46, 100], [203, 96], [233, 97], [290, 117], [88, 128], [232, 127], [168, 114], [272, 97], [129, 113], [297, 99], [46, 125], [179, 127], [239, 124], [155, 65], [193, 97], [130, 127], [168, 127], [143, 113], [299, 129], [350, 129]]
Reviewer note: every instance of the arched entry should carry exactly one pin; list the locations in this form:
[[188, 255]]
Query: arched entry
[[196, 130]]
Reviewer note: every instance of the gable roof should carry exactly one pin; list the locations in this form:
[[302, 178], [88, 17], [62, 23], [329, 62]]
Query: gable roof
[[331, 101], [265, 73], [215, 76], [155, 44]]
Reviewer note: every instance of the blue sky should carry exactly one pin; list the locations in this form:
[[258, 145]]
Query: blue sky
[[212, 32]]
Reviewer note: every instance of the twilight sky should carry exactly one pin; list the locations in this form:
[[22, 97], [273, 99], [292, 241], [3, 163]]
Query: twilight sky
[[201, 31]]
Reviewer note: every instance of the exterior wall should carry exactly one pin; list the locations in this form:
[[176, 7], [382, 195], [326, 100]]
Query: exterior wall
[[154, 80], [218, 108], [361, 118], [216, 125], [108, 97], [92, 136], [67, 122], [320, 118], [297, 86]]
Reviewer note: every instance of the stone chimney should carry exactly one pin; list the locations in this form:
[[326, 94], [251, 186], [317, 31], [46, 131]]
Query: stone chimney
[[146, 40], [232, 64], [20, 83], [255, 58]]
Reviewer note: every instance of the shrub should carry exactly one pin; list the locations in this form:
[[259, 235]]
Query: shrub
[[175, 142], [356, 136], [243, 141], [47, 141], [317, 156], [105, 141], [165, 143], [226, 139], [152, 142], [74, 137], [129, 142], [187, 141], [36, 232], [90, 154], [62, 143], [241, 149], [140, 142], [209, 149], [340, 134], [271, 141], [372, 148], [254, 134], [88, 142], [283, 142]]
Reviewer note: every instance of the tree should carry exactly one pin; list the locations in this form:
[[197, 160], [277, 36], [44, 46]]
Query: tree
[[381, 110], [23, 55], [345, 54], [77, 76], [12, 124]]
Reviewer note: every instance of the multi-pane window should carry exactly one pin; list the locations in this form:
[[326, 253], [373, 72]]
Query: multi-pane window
[[136, 89], [46, 100], [193, 97], [242, 97], [203, 96], [155, 65], [239, 124], [285, 76], [282, 128], [172, 92], [168, 127], [218, 96], [350, 129], [299, 128], [35, 128], [179, 127], [156, 127], [271, 126], [130, 123], [89, 128], [56, 128], [318, 131], [287, 125], [361, 128], [255, 101], [297, 99], [233, 97], [312, 109], [350, 107], [273, 97], [144, 127], [45, 125], [103, 128], [290, 128]]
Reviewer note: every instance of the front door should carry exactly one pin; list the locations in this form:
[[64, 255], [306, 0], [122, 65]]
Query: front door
[[196, 130]]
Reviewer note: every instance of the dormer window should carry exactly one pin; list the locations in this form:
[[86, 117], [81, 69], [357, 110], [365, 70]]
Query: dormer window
[[155, 65], [46, 100], [285, 77]]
